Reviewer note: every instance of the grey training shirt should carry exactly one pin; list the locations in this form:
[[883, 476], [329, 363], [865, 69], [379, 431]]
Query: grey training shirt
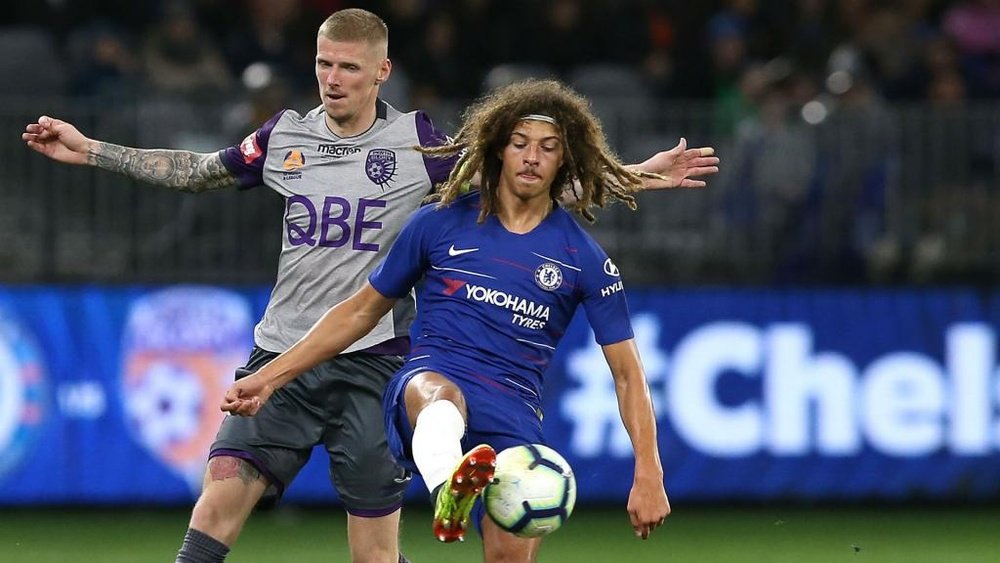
[[345, 201]]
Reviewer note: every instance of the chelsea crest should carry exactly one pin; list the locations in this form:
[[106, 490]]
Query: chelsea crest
[[548, 276]]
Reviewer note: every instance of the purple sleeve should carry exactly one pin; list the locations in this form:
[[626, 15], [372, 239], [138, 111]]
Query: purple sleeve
[[246, 160], [429, 136]]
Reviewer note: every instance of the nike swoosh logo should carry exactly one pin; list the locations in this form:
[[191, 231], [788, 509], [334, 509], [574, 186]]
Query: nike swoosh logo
[[460, 251]]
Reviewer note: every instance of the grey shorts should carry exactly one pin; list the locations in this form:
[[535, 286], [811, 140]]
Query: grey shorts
[[337, 404]]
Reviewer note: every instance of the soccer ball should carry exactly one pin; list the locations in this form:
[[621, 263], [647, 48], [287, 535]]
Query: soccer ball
[[533, 491]]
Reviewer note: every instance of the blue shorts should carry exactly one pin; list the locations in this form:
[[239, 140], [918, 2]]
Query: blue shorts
[[498, 414]]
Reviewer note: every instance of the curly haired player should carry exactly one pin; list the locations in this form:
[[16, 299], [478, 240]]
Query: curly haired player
[[503, 270]]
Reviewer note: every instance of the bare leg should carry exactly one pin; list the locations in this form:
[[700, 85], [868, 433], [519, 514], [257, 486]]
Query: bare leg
[[427, 387], [231, 488], [504, 547], [374, 540]]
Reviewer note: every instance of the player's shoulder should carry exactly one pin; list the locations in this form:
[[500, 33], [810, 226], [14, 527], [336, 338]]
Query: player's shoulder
[[387, 111], [420, 122], [289, 120], [466, 205], [565, 221], [394, 117], [577, 236], [463, 206], [316, 115]]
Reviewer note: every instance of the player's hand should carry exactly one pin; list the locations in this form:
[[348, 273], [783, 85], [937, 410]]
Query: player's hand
[[648, 507], [679, 166], [57, 140], [246, 396]]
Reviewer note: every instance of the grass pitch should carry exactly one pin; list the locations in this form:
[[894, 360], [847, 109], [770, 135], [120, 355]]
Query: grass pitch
[[701, 534]]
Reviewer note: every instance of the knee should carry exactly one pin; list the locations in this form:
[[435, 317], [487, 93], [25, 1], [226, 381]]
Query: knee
[[225, 502], [503, 547], [428, 387], [211, 514], [214, 517]]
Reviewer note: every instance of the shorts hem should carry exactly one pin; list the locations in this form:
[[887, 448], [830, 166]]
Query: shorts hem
[[373, 512]]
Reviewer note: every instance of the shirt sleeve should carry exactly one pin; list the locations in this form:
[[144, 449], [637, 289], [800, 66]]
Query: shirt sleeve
[[246, 160], [438, 168], [407, 258], [604, 298]]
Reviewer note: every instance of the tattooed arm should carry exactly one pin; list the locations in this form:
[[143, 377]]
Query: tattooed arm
[[182, 170]]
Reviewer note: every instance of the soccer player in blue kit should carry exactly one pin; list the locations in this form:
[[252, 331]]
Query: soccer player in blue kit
[[499, 273]]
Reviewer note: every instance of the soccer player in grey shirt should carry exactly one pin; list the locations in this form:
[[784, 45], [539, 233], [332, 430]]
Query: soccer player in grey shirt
[[350, 176]]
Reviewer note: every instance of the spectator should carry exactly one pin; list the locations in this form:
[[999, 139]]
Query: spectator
[[973, 26], [439, 69], [180, 58], [267, 93], [769, 178], [855, 157], [559, 36], [104, 64], [811, 38], [658, 62], [279, 34], [728, 47]]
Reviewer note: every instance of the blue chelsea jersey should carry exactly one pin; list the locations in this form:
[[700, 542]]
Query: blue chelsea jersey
[[495, 304]]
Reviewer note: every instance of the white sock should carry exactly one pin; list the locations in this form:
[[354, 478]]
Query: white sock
[[437, 442]]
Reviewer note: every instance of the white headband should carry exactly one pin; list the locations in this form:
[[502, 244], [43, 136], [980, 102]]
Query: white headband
[[539, 117]]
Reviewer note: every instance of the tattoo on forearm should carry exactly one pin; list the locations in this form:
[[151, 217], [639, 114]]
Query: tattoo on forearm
[[223, 467], [185, 171]]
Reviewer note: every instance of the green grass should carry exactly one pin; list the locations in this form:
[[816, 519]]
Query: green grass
[[701, 534]]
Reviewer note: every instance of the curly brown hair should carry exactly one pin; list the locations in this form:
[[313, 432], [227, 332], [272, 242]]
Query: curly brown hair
[[587, 159]]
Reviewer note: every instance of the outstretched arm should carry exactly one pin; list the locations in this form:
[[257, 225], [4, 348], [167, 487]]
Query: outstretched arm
[[648, 506], [182, 170], [679, 166], [341, 326]]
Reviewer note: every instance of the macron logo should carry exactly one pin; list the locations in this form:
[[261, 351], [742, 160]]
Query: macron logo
[[460, 251]]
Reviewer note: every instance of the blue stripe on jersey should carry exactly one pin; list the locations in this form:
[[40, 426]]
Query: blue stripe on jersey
[[494, 303]]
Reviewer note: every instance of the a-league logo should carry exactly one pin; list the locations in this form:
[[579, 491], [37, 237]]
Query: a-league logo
[[23, 393]]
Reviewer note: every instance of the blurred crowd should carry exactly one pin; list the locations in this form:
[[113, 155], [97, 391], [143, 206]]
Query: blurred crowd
[[857, 148], [726, 50]]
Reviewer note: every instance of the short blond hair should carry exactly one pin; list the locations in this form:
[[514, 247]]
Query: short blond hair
[[356, 25]]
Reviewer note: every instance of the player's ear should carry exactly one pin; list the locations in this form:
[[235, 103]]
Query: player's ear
[[383, 71]]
